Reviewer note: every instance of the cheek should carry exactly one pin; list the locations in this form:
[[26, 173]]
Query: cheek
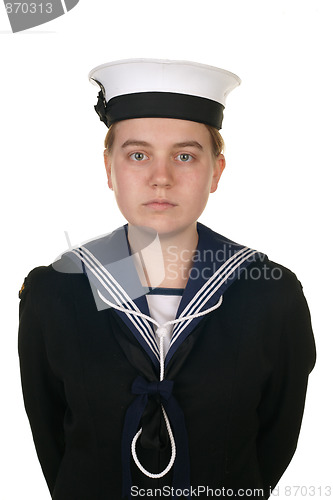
[[201, 183], [125, 185]]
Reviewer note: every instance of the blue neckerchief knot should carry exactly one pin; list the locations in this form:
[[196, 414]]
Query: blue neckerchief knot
[[143, 389], [162, 388]]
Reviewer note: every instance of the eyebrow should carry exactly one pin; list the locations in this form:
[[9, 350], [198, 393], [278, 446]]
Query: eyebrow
[[132, 142], [185, 144]]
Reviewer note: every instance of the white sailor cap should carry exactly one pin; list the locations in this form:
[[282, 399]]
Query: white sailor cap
[[142, 88]]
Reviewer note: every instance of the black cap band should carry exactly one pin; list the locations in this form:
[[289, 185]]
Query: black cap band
[[160, 105]]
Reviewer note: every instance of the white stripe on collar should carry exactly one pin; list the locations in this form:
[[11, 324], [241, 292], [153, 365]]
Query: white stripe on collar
[[211, 286], [116, 291]]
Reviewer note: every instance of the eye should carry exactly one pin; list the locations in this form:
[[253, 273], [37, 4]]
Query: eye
[[137, 156], [184, 157]]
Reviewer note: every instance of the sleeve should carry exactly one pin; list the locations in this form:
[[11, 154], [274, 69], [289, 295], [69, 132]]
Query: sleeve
[[281, 408], [43, 393]]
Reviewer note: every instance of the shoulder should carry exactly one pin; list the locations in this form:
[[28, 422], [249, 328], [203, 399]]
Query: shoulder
[[44, 282], [68, 271], [258, 274], [272, 274], [35, 279], [270, 296], [269, 287]]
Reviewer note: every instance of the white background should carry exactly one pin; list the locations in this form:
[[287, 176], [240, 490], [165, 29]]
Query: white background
[[275, 194]]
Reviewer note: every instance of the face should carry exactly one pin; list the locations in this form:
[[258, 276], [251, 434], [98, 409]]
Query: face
[[162, 171]]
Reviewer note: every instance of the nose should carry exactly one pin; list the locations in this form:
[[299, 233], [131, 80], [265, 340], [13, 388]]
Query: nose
[[161, 174]]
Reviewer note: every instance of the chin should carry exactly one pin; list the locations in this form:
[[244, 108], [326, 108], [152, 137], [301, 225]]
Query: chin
[[172, 229], [163, 226]]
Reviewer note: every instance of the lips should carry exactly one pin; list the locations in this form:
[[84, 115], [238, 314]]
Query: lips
[[159, 204]]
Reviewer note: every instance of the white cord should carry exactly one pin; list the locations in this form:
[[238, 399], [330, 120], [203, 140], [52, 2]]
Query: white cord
[[161, 332]]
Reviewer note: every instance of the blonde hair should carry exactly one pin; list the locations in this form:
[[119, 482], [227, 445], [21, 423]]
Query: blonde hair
[[216, 138]]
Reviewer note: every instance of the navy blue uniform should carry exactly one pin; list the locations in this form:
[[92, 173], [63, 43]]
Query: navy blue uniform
[[239, 373]]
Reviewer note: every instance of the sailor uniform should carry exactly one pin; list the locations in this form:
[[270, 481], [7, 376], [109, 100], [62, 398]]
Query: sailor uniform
[[121, 392], [232, 383]]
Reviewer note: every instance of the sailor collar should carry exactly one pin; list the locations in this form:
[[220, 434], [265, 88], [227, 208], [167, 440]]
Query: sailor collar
[[110, 267]]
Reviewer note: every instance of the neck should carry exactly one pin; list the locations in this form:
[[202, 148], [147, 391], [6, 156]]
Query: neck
[[167, 261]]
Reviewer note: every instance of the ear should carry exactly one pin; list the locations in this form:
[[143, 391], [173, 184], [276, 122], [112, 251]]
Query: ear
[[107, 163], [218, 169]]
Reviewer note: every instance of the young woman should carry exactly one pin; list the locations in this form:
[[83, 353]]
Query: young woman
[[163, 360]]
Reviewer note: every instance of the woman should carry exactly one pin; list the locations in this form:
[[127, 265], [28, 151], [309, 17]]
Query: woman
[[163, 359]]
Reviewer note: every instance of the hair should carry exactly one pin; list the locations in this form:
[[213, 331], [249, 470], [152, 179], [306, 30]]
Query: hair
[[216, 139]]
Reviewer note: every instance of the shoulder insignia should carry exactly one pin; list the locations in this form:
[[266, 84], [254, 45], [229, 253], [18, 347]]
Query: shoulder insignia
[[23, 287]]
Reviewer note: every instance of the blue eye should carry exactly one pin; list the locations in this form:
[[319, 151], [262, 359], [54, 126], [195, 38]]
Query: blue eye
[[138, 156], [185, 157]]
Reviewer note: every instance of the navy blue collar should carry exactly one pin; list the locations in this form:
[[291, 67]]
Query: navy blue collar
[[217, 263]]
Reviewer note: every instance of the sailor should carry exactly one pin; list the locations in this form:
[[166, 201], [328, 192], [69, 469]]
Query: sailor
[[163, 359]]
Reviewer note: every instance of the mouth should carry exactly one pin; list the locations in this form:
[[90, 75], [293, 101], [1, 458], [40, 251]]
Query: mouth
[[159, 204]]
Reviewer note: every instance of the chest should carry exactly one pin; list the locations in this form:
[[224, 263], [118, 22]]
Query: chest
[[223, 363]]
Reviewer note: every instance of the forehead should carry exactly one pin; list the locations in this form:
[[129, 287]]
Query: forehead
[[161, 130]]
